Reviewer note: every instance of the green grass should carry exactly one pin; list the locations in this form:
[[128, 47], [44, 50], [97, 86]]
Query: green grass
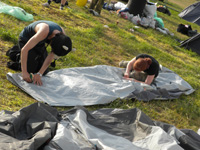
[[97, 45]]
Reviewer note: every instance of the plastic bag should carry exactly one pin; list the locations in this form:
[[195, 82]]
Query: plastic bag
[[119, 5], [150, 9], [159, 22], [124, 15], [136, 19], [17, 12], [81, 2]]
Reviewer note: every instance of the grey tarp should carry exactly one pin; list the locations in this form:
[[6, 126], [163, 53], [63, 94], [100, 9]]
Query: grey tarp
[[191, 13], [39, 126], [99, 85]]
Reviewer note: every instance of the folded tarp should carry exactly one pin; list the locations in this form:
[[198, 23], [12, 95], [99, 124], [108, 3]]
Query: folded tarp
[[39, 126], [99, 84]]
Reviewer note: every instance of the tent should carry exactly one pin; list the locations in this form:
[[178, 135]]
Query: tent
[[192, 43], [191, 13], [41, 127], [100, 84]]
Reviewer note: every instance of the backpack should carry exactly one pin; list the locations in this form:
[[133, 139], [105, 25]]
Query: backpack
[[186, 30], [14, 54]]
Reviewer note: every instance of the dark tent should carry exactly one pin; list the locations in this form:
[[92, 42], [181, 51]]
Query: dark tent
[[191, 13], [41, 127], [192, 43]]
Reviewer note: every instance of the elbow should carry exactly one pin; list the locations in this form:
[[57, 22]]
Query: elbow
[[149, 83]]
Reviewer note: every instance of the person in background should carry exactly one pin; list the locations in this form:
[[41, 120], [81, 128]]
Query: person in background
[[63, 3], [142, 68], [34, 56], [96, 7]]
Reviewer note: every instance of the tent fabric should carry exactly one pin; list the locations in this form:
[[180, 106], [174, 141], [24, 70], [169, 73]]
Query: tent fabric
[[39, 126], [27, 128], [192, 43], [99, 84], [191, 13]]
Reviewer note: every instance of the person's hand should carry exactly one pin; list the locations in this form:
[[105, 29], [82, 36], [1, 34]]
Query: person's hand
[[26, 77], [126, 75], [37, 79]]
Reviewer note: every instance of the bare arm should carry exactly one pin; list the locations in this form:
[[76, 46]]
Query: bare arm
[[129, 67], [48, 60], [41, 33], [148, 80]]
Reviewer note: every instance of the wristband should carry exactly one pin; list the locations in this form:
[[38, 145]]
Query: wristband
[[31, 76], [39, 74]]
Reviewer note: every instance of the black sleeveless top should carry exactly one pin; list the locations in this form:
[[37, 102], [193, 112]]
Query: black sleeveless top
[[29, 30], [153, 68]]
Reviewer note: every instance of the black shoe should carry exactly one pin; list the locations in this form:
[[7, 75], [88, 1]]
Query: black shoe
[[14, 65], [94, 12]]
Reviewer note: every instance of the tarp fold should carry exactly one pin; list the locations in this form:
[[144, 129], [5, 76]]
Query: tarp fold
[[80, 129]]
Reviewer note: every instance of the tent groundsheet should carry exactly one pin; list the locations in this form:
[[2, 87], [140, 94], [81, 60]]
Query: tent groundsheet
[[41, 127], [191, 13], [99, 84]]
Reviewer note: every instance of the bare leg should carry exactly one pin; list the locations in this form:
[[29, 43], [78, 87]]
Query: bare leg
[[62, 4], [99, 6], [93, 3]]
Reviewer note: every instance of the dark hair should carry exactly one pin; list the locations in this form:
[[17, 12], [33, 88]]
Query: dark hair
[[58, 42]]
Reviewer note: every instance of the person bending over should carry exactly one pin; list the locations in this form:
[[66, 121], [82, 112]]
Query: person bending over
[[34, 57], [143, 68]]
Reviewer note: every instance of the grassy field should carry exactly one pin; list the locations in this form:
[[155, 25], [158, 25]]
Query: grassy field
[[182, 4], [97, 45]]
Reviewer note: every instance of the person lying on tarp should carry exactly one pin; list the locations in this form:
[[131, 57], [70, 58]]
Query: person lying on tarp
[[142, 68], [34, 56]]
